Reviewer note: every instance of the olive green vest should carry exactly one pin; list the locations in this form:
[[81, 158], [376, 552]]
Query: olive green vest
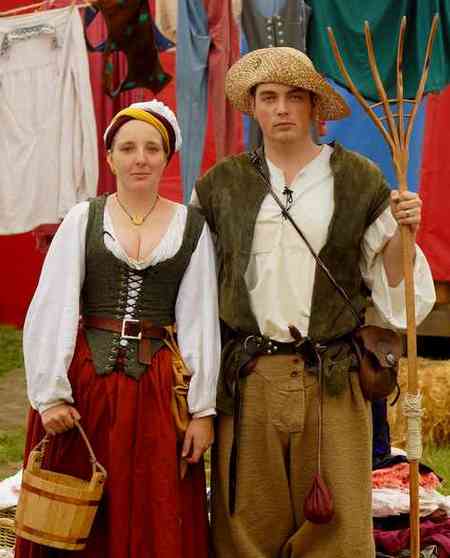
[[231, 194], [106, 285]]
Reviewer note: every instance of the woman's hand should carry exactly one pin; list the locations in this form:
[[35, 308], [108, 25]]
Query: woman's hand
[[59, 418], [406, 208], [198, 438]]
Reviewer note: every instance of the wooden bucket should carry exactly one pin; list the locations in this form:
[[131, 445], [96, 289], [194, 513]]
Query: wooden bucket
[[55, 509]]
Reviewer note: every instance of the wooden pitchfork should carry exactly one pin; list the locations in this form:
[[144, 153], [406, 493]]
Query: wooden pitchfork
[[397, 134]]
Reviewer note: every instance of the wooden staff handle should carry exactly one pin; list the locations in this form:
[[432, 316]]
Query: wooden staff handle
[[398, 140]]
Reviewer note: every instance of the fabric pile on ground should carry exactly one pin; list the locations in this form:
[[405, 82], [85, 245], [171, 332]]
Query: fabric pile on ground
[[390, 508], [9, 490]]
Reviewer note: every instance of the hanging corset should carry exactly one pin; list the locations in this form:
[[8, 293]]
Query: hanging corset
[[130, 30]]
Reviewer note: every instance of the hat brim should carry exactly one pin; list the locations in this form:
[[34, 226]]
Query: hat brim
[[281, 65]]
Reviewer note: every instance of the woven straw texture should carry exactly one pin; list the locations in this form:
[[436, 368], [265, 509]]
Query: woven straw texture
[[7, 536], [434, 384], [287, 66]]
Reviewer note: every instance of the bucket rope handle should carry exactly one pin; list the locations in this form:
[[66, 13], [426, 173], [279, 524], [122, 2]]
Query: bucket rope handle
[[92, 458]]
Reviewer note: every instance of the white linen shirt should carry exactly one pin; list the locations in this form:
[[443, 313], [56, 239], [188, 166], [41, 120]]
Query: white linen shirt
[[279, 257], [51, 324]]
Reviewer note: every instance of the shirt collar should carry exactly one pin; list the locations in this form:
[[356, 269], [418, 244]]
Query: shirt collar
[[315, 171]]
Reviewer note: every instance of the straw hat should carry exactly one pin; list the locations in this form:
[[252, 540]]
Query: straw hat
[[285, 65]]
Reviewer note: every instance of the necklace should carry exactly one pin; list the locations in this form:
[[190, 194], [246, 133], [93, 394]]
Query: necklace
[[136, 220]]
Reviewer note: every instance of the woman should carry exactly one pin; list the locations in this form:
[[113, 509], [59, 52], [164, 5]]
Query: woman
[[128, 263]]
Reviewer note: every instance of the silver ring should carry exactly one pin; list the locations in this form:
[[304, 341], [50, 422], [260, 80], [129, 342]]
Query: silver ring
[[408, 213]]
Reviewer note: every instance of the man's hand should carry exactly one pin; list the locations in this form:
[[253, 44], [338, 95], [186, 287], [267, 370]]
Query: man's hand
[[198, 438], [59, 418], [406, 209]]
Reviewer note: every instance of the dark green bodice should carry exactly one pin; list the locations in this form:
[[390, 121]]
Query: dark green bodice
[[106, 289]]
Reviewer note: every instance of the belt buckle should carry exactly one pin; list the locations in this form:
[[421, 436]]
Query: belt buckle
[[261, 345], [125, 323], [257, 340]]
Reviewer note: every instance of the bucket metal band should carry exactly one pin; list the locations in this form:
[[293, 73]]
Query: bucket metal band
[[48, 536], [58, 497]]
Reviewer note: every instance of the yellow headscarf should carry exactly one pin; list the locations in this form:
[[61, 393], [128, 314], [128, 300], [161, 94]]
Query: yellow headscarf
[[140, 114]]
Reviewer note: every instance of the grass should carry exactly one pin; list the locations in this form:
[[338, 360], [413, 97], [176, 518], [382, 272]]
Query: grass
[[11, 446], [11, 451], [10, 349], [438, 458]]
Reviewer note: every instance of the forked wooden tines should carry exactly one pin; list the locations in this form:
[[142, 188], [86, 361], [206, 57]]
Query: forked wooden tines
[[396, 128]]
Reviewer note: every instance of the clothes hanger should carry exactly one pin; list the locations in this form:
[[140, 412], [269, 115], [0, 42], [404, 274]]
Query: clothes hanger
[[14, 11], [40, 6]]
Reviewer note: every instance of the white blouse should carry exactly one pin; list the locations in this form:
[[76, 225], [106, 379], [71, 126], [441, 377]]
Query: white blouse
[[281, 267], [51, 323]]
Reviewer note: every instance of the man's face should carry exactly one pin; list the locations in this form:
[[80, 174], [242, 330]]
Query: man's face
[[284, 113]]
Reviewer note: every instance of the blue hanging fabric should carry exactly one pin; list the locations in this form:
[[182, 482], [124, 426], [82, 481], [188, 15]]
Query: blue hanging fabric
[[193, 43], [357, 132]]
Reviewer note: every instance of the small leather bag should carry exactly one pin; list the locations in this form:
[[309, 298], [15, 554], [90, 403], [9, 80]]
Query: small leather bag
[[181, 380], [379, 351], [318, 507]]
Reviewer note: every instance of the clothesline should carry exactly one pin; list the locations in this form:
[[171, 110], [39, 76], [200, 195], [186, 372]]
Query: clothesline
[[42, 5]]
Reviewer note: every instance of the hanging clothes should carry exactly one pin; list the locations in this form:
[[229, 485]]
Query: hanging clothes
[[224, 52], [207, 45], [236, 8], [193, 43], [161, 41], [130, 30], [47, 133], [434, 233], [273, 23], [346, 17], [166, 18], [106, 107], [268, 23]]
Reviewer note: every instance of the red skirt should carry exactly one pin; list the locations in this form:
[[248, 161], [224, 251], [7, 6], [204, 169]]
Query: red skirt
[[146, 511]]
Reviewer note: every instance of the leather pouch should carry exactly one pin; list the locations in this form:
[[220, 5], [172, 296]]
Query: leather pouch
[[318, 506], [379, 351]]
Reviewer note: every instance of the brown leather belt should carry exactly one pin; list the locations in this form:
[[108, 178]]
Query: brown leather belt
[[129, 328]]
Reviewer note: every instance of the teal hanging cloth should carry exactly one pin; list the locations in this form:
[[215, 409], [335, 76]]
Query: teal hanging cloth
[[347, 18]]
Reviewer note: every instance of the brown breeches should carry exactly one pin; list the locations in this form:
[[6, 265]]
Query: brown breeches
[[277, 462]]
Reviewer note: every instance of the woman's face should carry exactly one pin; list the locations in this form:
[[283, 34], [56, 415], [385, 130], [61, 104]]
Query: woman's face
[[137, 156]]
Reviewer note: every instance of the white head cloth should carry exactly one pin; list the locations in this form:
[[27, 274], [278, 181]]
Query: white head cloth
[[157, 107]]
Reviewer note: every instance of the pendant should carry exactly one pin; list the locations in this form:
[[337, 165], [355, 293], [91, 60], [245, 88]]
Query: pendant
[[137, 221]]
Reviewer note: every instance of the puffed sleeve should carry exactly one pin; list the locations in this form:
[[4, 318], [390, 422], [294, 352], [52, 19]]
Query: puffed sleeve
[[390, 301], [197, 318], [51, 324]]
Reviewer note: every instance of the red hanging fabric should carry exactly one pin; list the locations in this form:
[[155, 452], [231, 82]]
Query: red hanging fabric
[[224, 33], [434, 234]]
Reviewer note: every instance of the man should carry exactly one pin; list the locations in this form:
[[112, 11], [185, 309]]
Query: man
[[277, 428]]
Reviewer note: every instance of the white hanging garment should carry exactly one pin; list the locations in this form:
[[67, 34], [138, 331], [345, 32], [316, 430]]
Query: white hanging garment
[[48, 139]]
